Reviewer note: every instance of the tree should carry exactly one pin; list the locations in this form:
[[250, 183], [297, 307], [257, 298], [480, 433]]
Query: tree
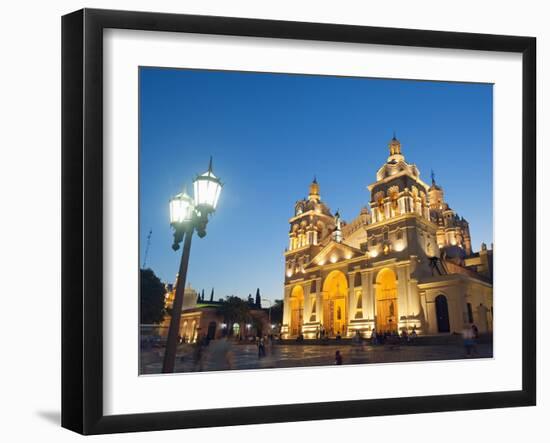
[[234, 310], [152, 293], [277, 312], [212, 295], [258, 298]]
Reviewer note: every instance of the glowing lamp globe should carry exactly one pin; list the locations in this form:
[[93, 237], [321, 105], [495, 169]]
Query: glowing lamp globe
[[181, 208], [207, 189]]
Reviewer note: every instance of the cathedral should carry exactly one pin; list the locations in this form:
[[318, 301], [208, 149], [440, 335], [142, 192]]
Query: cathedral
[[405, 263]]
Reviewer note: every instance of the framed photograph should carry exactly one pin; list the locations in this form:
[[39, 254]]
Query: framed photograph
[[268, 221]]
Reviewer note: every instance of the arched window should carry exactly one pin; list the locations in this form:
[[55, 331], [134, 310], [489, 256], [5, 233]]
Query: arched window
[[236, 329]]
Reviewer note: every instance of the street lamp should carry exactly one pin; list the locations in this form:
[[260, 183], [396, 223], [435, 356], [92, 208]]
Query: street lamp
[[269, 301], [207, 190], [186, 216]]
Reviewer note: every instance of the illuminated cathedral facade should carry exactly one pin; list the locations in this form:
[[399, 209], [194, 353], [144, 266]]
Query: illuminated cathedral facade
[[404, 263]]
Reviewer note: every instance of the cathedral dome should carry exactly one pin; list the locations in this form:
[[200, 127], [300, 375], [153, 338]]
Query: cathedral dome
[[434, 186], [454, 253]]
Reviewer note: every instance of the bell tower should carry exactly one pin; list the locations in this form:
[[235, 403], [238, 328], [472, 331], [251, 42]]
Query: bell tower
[[311, 224]]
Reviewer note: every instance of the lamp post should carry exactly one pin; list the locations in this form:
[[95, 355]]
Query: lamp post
[[188, 215], [269, 301]]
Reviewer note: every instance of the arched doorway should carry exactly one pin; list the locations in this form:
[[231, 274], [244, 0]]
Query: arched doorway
[[442, 313], [386, 301], [335, 294], [236, 330], [296, 310]]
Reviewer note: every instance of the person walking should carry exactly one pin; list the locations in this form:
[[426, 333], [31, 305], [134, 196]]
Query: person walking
[[197, 355], [261, 347], [468, 337], [475, 337], [338, 358]]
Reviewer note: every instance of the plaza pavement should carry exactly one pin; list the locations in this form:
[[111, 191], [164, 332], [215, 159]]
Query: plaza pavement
[[225, 356]]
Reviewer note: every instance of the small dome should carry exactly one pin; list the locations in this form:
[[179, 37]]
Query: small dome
[[394, 146], [314, 189]]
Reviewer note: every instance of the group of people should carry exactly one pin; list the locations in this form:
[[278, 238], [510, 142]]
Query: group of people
[[322, 333], [382, 337]]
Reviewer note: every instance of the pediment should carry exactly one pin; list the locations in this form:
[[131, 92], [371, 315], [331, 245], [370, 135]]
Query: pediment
[[335, 252]]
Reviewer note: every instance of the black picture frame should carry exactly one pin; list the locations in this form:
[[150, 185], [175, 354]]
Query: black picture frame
[[82, 216]]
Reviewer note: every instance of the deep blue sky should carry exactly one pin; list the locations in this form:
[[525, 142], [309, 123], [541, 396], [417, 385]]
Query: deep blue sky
[[269, 134]]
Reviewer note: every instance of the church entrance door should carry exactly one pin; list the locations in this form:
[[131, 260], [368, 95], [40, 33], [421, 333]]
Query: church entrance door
[[335, 293], [386, 301]]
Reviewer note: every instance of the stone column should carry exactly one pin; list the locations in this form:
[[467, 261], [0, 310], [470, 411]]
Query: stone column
[[427, 212], [415, 306], [402, 295], [286, 308], [351, 304], [319, 304], [424, 306], [307, 302], [414, 298], [401, 203], [368, 296], [387, 211]]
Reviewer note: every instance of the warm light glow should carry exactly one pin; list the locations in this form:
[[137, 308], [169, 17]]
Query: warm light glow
[[373, 253], [207, 189], [289, 273], [348, 255], [321, 262], [399, 246], [333, 259], [181, 208]]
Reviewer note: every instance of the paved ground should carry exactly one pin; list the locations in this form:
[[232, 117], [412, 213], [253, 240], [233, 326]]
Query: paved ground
[[221, 355]]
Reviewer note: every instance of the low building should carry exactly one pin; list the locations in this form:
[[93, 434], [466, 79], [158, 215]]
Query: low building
[[205, 318]]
